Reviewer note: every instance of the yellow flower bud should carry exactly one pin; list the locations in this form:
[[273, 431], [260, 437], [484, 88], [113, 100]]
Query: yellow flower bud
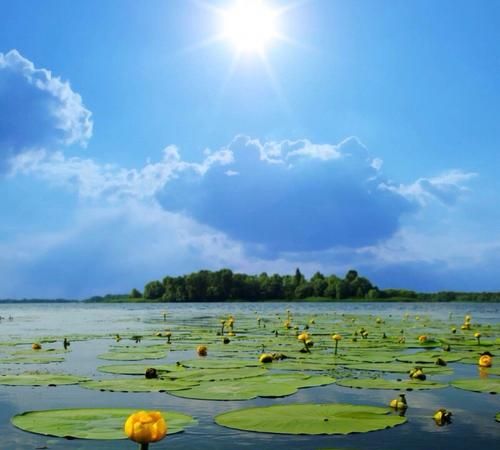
[[266, 358], [36, 346], [442, 417], [422, 339], [201, 350], [485, 360], [337, 337], [477, 335], [144, 427], [303, 337]]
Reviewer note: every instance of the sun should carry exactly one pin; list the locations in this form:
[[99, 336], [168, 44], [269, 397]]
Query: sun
[[250, 25]]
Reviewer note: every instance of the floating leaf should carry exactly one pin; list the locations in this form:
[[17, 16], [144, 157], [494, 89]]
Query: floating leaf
[[31, 359], [218, 374], [138, 385], [132, 356], [310, 419], [429, 357], [39, 379], [490, 384], [137, 369], [93, 423], [279, 385], [396, 367], [382, 383], [227, 363]]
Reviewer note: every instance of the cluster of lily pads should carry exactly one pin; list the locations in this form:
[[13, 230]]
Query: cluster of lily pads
[[242, 358]]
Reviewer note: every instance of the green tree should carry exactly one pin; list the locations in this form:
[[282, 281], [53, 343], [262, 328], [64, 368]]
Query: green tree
[[153, 290], [319, 284], [134, 293]]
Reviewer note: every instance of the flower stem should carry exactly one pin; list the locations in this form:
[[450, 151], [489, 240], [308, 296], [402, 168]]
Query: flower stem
[[144, 446]]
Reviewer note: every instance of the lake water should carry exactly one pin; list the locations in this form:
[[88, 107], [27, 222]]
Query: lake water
[[473, 425]]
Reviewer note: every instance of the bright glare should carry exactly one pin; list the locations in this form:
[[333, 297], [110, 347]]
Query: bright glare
[[250, 25]]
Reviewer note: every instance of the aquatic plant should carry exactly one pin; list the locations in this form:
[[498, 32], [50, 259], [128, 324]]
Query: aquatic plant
[[399, 404], [442, 417], [201, 350], [336, 337], [145, 427]]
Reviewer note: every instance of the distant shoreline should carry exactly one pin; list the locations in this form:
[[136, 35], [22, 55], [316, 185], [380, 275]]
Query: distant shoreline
[[308, 300]]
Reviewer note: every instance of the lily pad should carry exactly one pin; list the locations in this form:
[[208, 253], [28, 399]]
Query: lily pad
[[31, 359], [92, 423], [218, 374], [39, 379], [429, 357], [279, 385], [310, 419], [227, 363], [490, 384], [381, 383], [138, 385], [396, 367], [132, 356], [136, 369]]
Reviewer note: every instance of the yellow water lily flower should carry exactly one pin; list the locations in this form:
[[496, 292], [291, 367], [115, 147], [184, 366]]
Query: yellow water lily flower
[[417, 374], [442, 417], [486, 360], [266, 358], [303, 337], [145, 427], [201, 350], [36, 346], [399, 404], [422, 339]]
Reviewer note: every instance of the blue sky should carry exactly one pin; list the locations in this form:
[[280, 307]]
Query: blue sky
[[133, 145]]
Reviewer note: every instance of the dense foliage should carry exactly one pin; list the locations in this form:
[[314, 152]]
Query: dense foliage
[[223, 285]]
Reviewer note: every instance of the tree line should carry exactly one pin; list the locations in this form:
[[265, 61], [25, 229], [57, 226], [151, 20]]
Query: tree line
[[224, 285]]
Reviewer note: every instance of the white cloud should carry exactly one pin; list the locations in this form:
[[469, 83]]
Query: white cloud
[[446, 188], [93, 180], [38, 108]]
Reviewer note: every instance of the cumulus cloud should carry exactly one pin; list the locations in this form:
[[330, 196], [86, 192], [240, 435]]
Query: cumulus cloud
[[446, 188], [292, 196], [37, 108], [92, 180]]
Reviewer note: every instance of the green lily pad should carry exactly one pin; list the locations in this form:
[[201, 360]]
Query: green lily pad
[[132, 356], [396, 367], [490, 384], [92, 423], [310, 419], [428, 357], [136, 369], [138, 385], [31, 359], [217, 374], [39, 379], [279, 385], [227, 363], [299, 365], [381, 383], [375, 356], [497, 417]]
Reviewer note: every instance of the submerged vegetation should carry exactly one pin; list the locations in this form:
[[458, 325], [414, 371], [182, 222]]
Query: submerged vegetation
[[224, 285]]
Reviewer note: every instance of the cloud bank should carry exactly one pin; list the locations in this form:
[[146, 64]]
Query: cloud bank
[[292, 196], [37, 108], [252, 206]]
